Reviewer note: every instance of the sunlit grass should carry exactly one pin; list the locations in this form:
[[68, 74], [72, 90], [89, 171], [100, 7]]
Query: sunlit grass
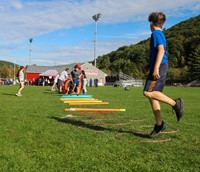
[[36, 135]]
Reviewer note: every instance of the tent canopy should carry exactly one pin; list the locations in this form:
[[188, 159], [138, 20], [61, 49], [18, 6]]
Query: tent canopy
[[52, 73]]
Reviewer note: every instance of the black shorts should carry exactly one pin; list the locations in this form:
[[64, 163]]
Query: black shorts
[[157, 85]]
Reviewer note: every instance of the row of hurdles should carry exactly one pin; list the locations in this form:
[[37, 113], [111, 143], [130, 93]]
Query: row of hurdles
[[81, 100]]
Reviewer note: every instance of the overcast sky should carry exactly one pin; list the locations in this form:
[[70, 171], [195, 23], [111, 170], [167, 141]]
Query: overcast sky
[[63, 30]]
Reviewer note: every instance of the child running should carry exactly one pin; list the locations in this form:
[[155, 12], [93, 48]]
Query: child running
[[158, 67]]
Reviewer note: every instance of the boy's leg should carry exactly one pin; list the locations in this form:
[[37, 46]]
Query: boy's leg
[[60, 89], [177, 104], [159, 96], [160, 125], [155, 105], [77, 87], [60, 86], [74, 86]]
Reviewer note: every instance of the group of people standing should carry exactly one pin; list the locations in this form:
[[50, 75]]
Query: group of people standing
[[75, 77]]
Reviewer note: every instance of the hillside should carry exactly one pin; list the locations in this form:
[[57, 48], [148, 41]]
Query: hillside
[[2, 63], [7, 69], [183, 46]]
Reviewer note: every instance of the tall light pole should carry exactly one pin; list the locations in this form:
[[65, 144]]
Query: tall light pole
[[30, 40], [95, 18], [14, 75]]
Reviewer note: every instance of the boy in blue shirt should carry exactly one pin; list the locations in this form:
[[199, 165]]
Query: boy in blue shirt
[[158, 67]]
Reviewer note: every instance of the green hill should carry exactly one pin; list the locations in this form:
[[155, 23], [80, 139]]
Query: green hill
[[2, 63], [7, 68], [183, 46]]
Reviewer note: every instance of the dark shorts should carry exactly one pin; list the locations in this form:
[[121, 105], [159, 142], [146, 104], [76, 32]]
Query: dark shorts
[[60, 82], [157, 85], [76, 81]]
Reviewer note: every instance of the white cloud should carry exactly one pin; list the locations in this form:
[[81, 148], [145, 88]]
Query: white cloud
[[22, 19], [16, 4]]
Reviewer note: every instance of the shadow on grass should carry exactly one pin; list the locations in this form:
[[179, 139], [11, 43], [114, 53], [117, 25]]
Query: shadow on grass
[[54, 93], [8, 94], [79, 123]]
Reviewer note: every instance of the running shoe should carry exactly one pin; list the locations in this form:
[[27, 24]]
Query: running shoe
[[157, 130], [178, 108]]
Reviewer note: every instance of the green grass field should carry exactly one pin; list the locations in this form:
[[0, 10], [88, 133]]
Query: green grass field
[[35, 134]]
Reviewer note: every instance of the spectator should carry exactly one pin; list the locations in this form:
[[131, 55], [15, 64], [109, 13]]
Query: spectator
[[20, 75], [90, 82], [63, 76], [84, 82], [55, 83]]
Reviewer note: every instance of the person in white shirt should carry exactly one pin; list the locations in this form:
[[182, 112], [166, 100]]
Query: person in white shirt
[[20, 75], [55, 82], [63, 76], [84, 82]]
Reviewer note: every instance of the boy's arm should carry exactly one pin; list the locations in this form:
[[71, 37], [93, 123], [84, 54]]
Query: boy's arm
[[159, 57]]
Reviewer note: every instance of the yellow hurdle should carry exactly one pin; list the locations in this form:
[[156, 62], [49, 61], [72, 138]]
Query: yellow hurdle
[[83, 101]]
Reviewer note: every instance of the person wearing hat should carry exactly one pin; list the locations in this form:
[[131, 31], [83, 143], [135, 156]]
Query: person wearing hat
[[63, 76], [75, 74]]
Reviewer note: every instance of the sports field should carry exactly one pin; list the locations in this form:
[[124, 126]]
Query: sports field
[[36, 135]]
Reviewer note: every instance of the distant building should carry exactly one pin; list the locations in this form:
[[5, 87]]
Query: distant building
[[33, 72]]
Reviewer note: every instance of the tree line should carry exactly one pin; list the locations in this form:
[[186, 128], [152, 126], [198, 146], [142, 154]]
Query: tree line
[[8, 69], [183, 48]]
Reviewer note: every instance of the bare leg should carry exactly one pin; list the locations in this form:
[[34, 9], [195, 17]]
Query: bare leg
[[159, 96], [74, 88], [77, 88], [21, 87], [61, 89], [156, 110], [53, 87]]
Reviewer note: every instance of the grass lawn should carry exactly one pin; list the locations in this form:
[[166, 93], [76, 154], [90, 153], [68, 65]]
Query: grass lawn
[[35, 137]]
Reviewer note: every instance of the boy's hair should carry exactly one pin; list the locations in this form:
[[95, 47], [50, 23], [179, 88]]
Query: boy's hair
[[158, 18]]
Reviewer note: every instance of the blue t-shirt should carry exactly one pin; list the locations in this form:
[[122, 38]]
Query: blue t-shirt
[[157, 38]]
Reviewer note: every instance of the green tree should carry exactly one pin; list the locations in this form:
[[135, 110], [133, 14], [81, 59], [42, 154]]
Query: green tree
[[194, 64], [4, 71], [183, 41]]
